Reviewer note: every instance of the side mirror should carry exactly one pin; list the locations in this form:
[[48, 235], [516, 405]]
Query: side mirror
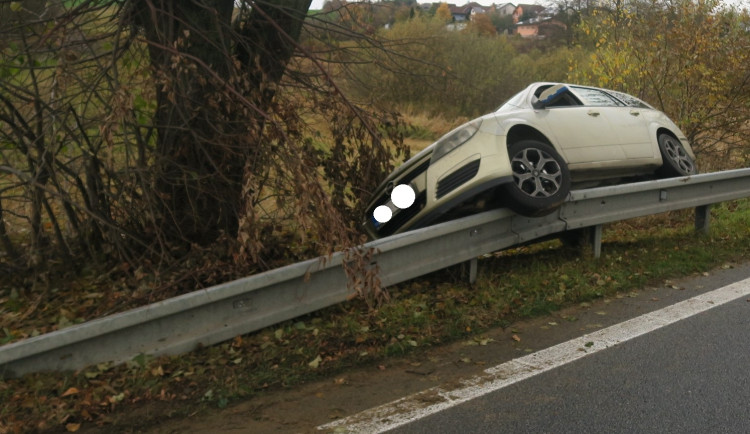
[[550, 96]]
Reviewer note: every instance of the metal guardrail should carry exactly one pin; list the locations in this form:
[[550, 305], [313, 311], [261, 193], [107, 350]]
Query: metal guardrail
[[219, 313]]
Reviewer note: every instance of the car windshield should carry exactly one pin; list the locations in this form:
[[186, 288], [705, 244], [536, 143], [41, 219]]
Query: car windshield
[[514, 103]]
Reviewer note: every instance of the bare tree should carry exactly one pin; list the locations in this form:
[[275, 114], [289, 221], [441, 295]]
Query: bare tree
[[148, 130]]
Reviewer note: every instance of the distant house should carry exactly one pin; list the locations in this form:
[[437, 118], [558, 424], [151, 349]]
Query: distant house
[[539, 28], [466, 12], [476, 9], [460, 13], [525, 12], [506, 9]]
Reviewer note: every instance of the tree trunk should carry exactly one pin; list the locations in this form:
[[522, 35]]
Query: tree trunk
[[203, 140], [267, 41]]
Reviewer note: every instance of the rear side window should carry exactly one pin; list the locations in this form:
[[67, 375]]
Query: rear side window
[[629, 100], [597, 98]]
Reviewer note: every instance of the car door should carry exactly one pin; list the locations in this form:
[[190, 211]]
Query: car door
[[582, 131], [630, 126]]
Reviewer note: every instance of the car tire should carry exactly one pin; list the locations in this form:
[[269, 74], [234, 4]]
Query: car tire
[[541, 179], [676, 161]]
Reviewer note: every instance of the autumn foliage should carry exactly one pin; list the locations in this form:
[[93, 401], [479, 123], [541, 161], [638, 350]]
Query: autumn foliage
[[689, 59]]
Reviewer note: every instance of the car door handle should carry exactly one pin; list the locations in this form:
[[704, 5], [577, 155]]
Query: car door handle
[[593, 113], [635, 112]]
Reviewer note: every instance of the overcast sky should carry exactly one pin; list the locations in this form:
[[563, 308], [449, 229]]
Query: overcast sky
[[318, 4]]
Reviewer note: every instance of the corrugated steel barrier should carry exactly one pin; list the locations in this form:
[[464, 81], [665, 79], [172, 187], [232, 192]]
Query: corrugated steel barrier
[[224, 311]]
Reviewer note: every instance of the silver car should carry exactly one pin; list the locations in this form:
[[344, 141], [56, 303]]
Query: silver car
[[527, 154]]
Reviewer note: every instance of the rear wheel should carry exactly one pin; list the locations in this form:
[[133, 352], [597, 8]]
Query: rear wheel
[[677, 162], [541, 180]]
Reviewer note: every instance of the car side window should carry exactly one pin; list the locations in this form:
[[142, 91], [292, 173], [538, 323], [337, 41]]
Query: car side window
[[595, 97], [566, 100], [629, 100]]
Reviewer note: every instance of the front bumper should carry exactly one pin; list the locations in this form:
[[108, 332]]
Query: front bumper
[[477, 166]]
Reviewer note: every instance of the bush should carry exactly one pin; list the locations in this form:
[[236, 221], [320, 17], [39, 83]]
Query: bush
[[452, 73]]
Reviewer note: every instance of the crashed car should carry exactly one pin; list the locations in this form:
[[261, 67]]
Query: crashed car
[[527, 154]]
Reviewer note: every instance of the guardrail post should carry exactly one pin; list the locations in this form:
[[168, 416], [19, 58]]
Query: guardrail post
[[473, 270], [596, 240], [703, 219]]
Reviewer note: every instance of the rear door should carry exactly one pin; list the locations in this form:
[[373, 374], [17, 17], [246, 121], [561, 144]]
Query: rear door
[[630, 137]]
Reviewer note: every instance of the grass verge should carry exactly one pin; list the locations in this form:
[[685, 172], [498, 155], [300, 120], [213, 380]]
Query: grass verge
[[426, 312]]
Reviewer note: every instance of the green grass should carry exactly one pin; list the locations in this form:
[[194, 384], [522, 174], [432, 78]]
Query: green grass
[[429, 311]]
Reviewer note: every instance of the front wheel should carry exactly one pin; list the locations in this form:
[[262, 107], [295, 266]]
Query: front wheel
[[677, 162], [541, 180]]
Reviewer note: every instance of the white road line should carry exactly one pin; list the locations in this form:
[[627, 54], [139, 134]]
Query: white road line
[[436, 399]]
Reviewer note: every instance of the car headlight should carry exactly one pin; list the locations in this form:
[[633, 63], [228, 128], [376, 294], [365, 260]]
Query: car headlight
[[455, 138]]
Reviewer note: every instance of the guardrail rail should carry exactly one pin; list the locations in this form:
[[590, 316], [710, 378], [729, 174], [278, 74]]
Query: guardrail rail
[[219, 313]]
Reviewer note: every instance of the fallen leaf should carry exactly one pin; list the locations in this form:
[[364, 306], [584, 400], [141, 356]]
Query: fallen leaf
[[73, 427], [516, 338], [119, 397], [315, 363], [71, 391]]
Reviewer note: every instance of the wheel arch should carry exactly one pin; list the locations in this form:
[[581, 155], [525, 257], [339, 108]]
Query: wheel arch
[[520, 132], [665, 130]]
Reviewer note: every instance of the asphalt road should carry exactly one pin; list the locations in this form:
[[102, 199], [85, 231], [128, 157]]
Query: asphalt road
[[690, 376]]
